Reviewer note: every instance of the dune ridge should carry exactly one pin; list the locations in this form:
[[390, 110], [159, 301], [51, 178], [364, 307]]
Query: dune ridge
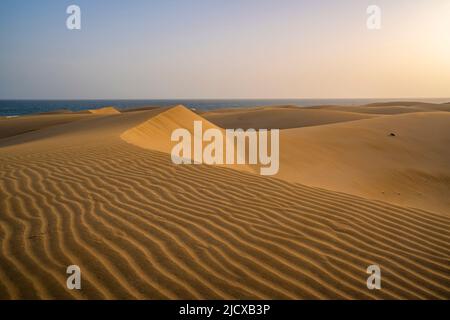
[[141, 228], [155, 132]]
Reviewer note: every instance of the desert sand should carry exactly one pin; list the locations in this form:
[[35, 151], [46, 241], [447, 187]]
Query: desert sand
[[357, 186]]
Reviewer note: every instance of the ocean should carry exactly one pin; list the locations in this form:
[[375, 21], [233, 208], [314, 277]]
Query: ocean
[[22, 107]]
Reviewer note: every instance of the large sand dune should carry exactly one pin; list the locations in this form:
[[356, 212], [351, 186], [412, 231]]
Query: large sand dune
[[141, 227], [155, 133]]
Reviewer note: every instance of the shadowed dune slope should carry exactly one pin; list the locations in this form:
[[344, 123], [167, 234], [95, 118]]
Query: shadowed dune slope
[[18, 125], [140, 227]]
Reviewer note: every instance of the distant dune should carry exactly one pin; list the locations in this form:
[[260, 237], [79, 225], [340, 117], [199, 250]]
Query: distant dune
[[100, 191], [105, 110], [278, 117], [18, 125], [390, 108]]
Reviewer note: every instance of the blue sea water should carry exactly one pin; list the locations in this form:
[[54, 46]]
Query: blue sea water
[[21, 107]]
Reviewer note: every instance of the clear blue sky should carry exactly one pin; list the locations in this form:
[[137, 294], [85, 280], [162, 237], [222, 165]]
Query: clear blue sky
[[224, 49]]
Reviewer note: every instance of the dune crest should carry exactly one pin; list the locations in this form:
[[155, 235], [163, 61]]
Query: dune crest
[[155, 133]]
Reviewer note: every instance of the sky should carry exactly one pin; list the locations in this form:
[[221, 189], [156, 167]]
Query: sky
[[224, 49]]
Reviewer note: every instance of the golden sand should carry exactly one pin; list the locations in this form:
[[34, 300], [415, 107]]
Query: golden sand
[[101, 192]]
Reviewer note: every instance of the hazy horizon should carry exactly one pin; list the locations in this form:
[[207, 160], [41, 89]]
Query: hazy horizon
[[159, 50], [413, 99]]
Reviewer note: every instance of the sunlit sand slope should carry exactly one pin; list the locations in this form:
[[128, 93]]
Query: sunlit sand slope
[[155, 133], [403, 159]]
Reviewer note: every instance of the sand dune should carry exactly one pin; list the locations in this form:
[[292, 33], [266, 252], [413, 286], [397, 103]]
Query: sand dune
[[155, 132], [57, 111], [18, 125], [348, 154], [141, 227], [361, 158], [104, 110], [390, 108], [142, 108], [278, 117]]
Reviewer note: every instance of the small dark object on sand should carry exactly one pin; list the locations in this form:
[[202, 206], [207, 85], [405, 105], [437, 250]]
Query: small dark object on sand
[[392, 134]]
